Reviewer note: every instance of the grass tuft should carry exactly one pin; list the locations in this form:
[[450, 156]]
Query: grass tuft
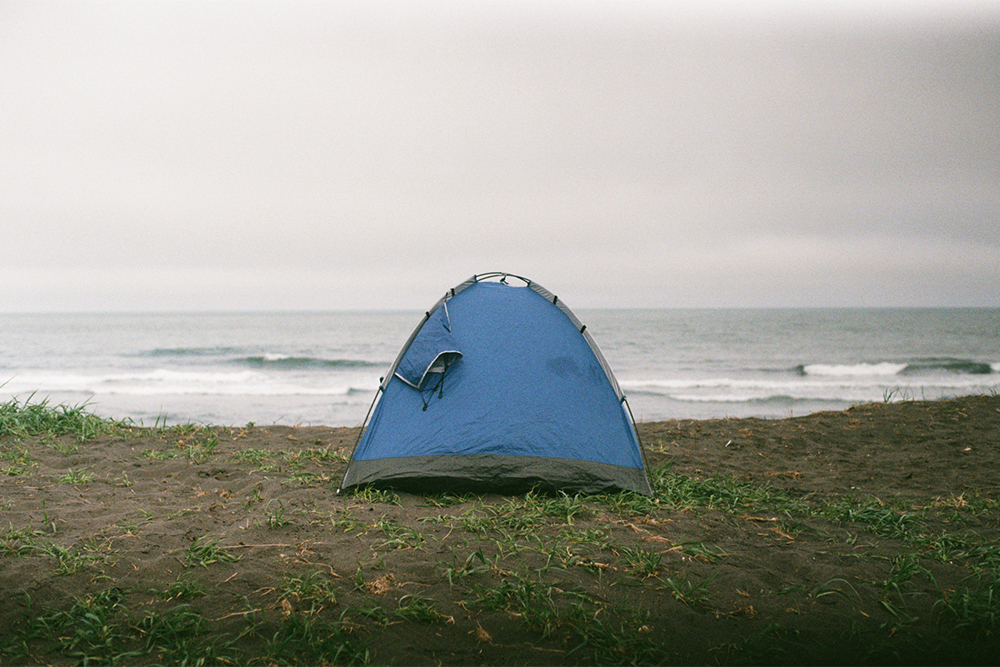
[[374, 496], [205, 551], [26, 419], [315, 588], [973, 613], [418, 610], [307, 640]]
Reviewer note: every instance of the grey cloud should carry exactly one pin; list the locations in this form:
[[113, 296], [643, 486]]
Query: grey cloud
[[669, 154]]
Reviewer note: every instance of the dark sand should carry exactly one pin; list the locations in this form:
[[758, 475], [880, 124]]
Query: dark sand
[[907, 572]]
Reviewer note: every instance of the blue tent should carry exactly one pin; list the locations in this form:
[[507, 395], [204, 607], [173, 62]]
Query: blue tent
[[499, 388]]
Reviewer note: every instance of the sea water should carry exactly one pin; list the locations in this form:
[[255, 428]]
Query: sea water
[[324, 368]]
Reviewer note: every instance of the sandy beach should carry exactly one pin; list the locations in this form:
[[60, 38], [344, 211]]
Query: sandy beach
[[868, 536]]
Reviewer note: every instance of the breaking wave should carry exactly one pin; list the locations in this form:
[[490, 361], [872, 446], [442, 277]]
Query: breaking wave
[[191, 352], [283, 361], [266, 360], [960, 366], [910, 368], [173, 382], [823, 383]]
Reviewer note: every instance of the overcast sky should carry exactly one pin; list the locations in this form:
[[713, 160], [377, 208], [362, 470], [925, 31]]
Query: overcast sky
[[293, 155]]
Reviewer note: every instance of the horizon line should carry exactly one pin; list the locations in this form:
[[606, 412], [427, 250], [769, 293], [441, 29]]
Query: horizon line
[[361, 310]]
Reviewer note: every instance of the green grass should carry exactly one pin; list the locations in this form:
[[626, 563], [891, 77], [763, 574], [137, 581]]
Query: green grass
[[70, 560], [27, 543], [18, 541], [184, 587], [76, 477], [99, 629], [21, 420], [277, 518], [973, 612], [292, 462], [876, 516], [316, 455], [890, 519], [627, 503], [594, 632], [314, 588], [349, 523], [680, 492], [837, 586], [685, 590], [536, 603], [307, 640], [573, 547], [64, 448], [417, 609], [702, 552], [308, 478], [15, 458], [191, 442], [399, 536], [626, 640], [173, 634], [206, 551], [766, 646], [374, 496], [562, 506], [254, 455], [87, 632], [520, 517], [449, 499], [641, 562], [476, 563], [903, 569]]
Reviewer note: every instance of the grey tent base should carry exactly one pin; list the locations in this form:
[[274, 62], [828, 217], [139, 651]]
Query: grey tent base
[[498, 474]]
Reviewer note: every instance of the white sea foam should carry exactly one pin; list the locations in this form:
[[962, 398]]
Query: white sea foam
[[172, 382], [770, 387], [835, 389], [882, 369]]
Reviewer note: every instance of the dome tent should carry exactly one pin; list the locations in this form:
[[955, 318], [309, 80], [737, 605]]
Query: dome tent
[[499, 388]]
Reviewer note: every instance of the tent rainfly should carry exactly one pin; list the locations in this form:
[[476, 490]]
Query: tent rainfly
[[499, 388]]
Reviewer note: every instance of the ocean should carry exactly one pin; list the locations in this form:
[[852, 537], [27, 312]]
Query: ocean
[[323, 368]]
